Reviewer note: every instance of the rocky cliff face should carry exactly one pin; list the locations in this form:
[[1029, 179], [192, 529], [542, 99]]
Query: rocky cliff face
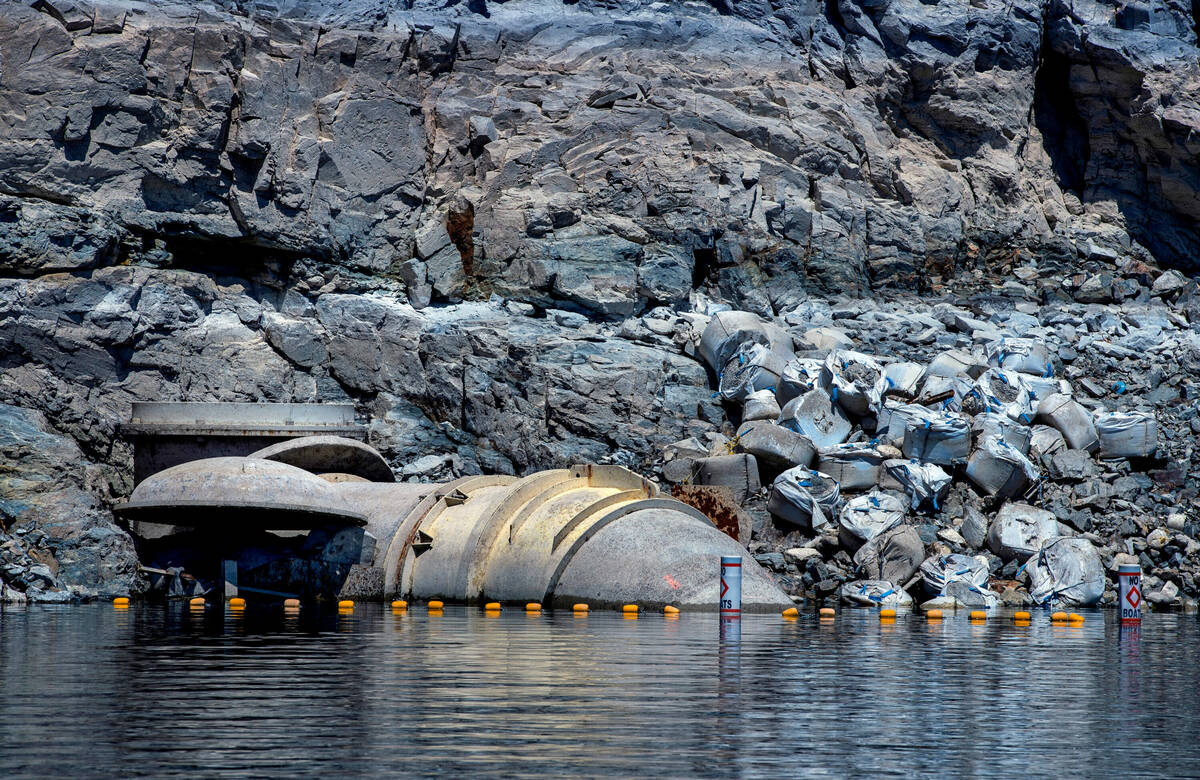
[[493, 226]]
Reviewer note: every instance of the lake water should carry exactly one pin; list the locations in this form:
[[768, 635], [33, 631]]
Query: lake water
[[159, 691]]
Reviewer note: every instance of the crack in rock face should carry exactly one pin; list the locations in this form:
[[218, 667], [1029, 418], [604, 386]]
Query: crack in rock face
[[499, 228]]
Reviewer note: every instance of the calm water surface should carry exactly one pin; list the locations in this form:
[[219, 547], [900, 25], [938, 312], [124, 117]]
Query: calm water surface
[[155, 691]]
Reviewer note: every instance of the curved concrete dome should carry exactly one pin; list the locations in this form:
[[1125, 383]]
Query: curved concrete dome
[[330, 454], [660, 556], [599, 534], [247, 492]]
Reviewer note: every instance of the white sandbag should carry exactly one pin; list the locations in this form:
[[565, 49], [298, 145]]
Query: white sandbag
[[1066, 571], [999, 469], [815, 415], [1028, 356], [804, 498], [1070, 419], [760, 405], [854, 466], [753, 367], [935, 386], [865, 517], [1001, 426], [1045, 442], [941, 438], [893, 555], [1044, 387], [925, 483], [895, 418], [903, 378], [956, 362], [874, 593], [1127, 434], [798, 377], [938, 571], [727, 331], [972, 596], [1006, 393], [738, 472], [774, 446], [1019, 530], [855, 381]]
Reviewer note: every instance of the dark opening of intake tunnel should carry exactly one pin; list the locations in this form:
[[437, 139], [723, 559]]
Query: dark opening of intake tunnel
[[1064, 133], [704, 264]]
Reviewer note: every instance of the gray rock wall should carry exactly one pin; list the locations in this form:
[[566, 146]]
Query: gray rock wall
[[279, 201]]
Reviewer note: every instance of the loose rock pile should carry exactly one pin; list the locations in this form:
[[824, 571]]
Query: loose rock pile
[[968, 454]]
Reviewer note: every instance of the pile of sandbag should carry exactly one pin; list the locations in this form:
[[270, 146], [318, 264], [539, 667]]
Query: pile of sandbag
[[1066, 571], [874, 593], [817, 417], [1020, 529], [854, 466], [774, 446], [804, 498], [925, 483], [1126, 434], [866, 516], [855, 381]]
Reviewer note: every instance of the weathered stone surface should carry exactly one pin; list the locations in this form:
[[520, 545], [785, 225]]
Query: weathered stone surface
[[57, 542], [290, 202]]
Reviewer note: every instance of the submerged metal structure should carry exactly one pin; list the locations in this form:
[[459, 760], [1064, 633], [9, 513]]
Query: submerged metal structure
[[598, 534]]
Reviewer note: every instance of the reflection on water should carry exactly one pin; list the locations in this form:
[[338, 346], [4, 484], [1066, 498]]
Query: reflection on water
[[170, 691]]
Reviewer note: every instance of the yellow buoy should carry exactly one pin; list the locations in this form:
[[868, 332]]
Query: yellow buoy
[[1022, 623], [399, 604], [291, 603], [237, 602], [197, 602], [1021, 616], [669, 610], [887, 613], [435, 604], [492, 606], [346, 604], [978, 614], [933, 614], [533, 606], [828, 612], [1059, 617], [121, 601], [630, 609], [1075, 617], [791, 612], [580, 608]]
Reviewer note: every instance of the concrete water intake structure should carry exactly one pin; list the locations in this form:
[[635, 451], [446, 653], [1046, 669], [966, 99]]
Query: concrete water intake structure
[[592, 534]]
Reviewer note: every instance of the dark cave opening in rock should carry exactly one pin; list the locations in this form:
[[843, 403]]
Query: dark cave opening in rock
[[1064, 133], [704, 266]]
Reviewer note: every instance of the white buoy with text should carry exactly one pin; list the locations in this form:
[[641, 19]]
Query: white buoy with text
[[731, 585]]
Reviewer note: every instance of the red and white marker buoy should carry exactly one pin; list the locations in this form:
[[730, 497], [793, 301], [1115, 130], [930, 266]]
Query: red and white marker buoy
[[1129, 590], [731, 586]]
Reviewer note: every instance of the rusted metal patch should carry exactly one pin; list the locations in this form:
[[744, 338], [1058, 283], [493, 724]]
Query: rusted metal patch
[[716, 503]]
